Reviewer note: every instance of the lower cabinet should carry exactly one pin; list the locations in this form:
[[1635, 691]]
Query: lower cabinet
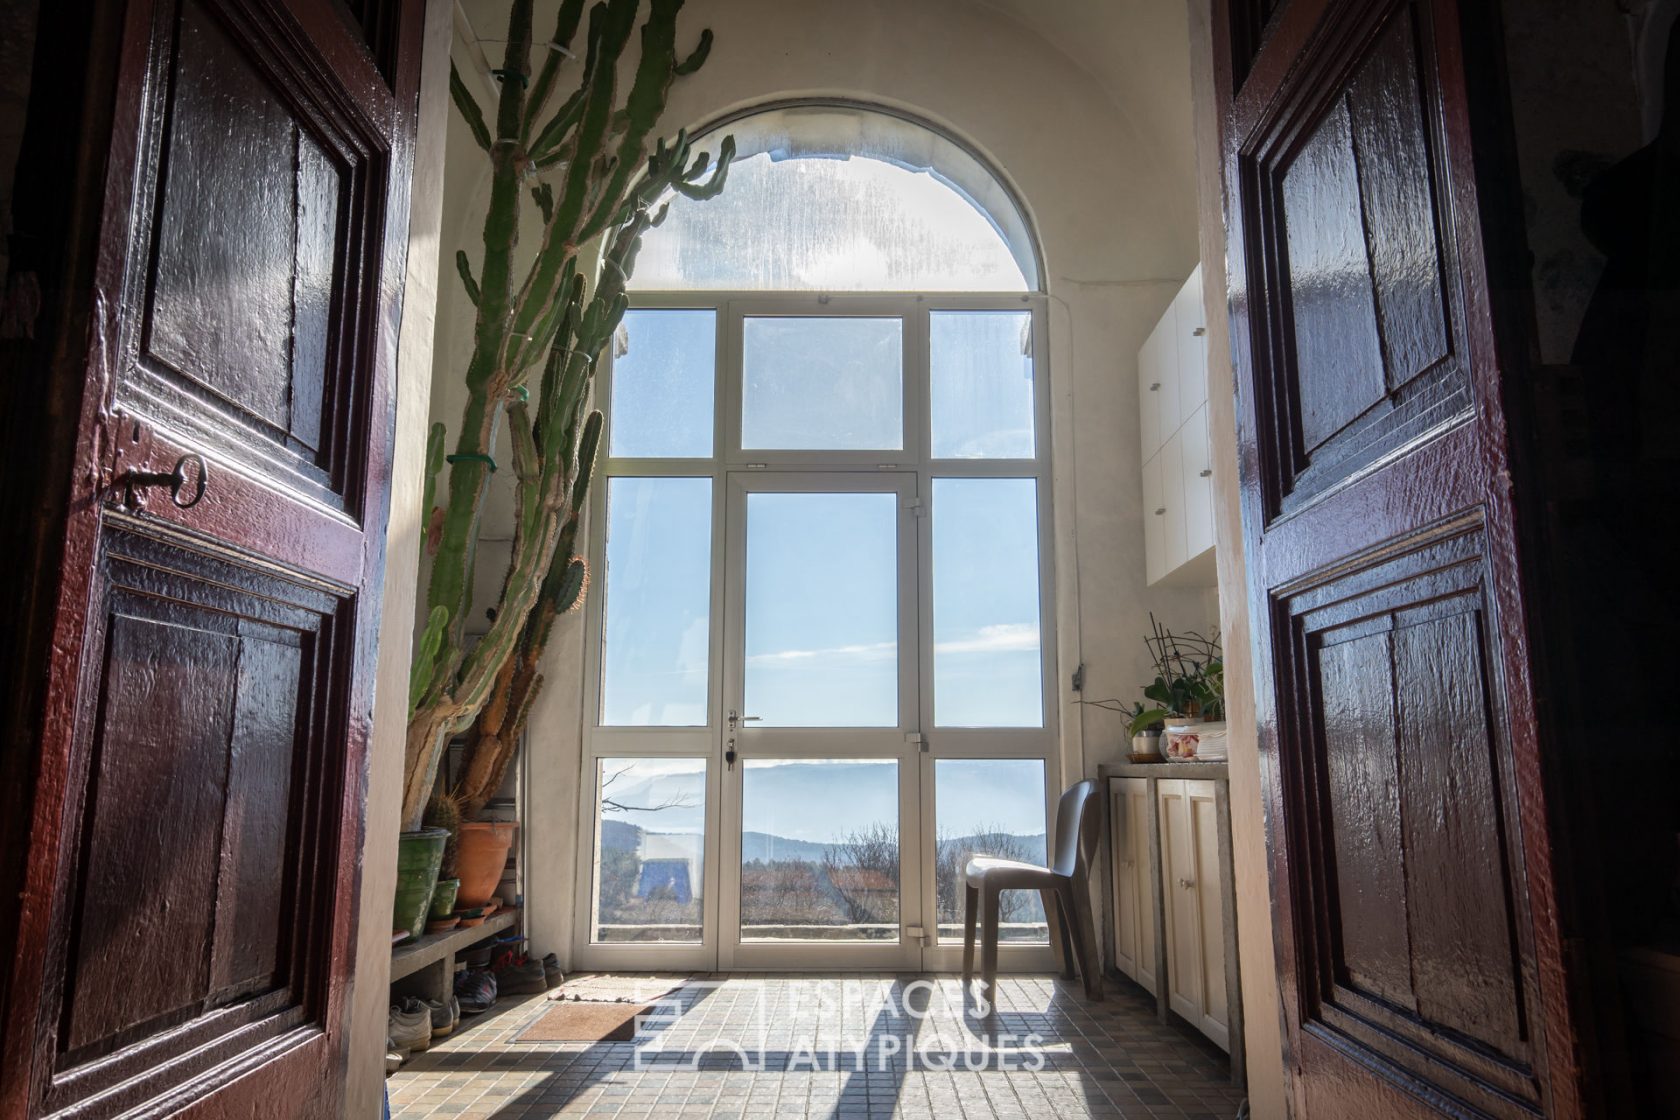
[[1173, 897], [1190, 866], [1134, 907]]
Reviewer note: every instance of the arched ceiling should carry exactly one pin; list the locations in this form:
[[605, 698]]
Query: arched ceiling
[[1137, 50]]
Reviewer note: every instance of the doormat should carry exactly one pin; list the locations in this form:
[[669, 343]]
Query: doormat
[[585, 1022], [618, 987]]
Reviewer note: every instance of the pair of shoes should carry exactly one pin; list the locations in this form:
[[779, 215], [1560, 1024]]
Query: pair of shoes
[[552, 976], [519, 975], [393, 1056], [475, 988], [446, 1014], [410, 1026]]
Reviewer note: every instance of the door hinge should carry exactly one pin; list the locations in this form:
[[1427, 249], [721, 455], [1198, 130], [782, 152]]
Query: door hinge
[[916, 506], [919, 739]]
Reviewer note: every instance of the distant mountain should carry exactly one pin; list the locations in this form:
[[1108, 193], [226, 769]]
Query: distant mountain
[[767, 847]]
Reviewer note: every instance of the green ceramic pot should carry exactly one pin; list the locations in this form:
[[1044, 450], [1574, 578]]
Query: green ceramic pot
[[419, 855], [443, 899]]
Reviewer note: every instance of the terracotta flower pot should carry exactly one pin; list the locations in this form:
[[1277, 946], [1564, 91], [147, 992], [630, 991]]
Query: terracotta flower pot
[[481, 850]]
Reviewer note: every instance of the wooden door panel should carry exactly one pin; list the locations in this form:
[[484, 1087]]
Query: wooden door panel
[[1415, 866], [193, 916], [188, 914], [1362, 328], [264, 192], [1421, 952]]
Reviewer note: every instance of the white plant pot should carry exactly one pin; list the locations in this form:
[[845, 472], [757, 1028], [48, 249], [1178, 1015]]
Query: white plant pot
[[1181, 738], [1146, 744]]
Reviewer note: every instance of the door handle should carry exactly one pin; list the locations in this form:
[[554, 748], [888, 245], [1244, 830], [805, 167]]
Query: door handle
[[1186, 883], [729, 755]]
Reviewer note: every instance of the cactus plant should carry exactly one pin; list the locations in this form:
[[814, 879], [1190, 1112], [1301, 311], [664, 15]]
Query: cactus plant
[[577, 163]]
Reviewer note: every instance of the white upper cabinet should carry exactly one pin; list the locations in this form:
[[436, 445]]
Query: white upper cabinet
[[1196, 467], [1190, 337], [1149, 394], [1172, 420], [1154, 516]]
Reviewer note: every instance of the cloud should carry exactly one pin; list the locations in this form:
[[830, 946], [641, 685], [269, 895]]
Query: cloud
[[873, 651], [1008, 637]]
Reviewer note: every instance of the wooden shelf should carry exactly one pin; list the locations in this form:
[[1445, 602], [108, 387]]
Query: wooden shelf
[[408, 959]]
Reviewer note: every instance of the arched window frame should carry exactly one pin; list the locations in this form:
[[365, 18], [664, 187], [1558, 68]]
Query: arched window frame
[[726, 468]]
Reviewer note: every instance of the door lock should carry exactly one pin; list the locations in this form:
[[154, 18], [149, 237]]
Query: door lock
[[736, 719]]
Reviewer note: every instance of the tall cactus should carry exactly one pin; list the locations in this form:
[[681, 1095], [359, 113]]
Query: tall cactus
[[578, 166]]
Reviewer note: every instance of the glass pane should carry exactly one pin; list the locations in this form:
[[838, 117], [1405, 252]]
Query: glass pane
[[822, 610], [986, 662], [989, 807], [662, 385], [982, 384], [655, 640], [824, 198], [819, 850], [650, 856], [822, 384]]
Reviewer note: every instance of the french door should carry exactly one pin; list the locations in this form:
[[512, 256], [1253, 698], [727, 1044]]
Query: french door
[[821, 680]]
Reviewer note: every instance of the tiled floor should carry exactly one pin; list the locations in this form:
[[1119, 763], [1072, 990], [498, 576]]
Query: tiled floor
[[774, 1048]]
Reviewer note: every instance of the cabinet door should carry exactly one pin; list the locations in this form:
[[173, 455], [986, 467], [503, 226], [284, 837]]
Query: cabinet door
[[1149, 394], [1174, 548], [1137, 821], [1125, 883], [1190, 321], [1202, 808], [1196, 468], [1166, 351], [1178, 868], [1154, 519]]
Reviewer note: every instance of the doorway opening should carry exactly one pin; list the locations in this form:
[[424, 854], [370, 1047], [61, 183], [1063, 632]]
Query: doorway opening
[[820, 661]]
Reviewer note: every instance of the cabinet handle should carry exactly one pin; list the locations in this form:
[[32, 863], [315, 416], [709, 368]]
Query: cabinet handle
[[1205, 474], [1155, 386], [1160, 511], [1199, 332], [1186, 883]]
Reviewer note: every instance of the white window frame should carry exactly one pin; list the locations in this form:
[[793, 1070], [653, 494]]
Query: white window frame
[[728, 466]]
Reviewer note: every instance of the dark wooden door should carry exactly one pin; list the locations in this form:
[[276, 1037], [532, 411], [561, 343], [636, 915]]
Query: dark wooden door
[[186, 926], [1419, 913]]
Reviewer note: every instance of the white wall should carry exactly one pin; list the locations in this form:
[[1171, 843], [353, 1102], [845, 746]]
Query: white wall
[[370, 991], [1116, 215]]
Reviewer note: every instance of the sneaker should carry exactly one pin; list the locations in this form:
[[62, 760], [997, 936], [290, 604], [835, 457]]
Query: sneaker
[[393, 1056], [410, 1026], [520, 976], [552, 976], [475, 988], [445, 1014]]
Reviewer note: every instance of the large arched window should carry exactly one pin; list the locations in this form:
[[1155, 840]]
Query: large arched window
[[821, 669]]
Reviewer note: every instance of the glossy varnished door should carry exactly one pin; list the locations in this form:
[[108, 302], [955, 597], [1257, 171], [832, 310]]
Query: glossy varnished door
[[186, 924], [1418, 915]]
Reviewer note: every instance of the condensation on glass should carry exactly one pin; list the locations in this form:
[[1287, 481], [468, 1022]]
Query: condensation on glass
[[830, 383], [981, 384], [663, 375], [838, 198]]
